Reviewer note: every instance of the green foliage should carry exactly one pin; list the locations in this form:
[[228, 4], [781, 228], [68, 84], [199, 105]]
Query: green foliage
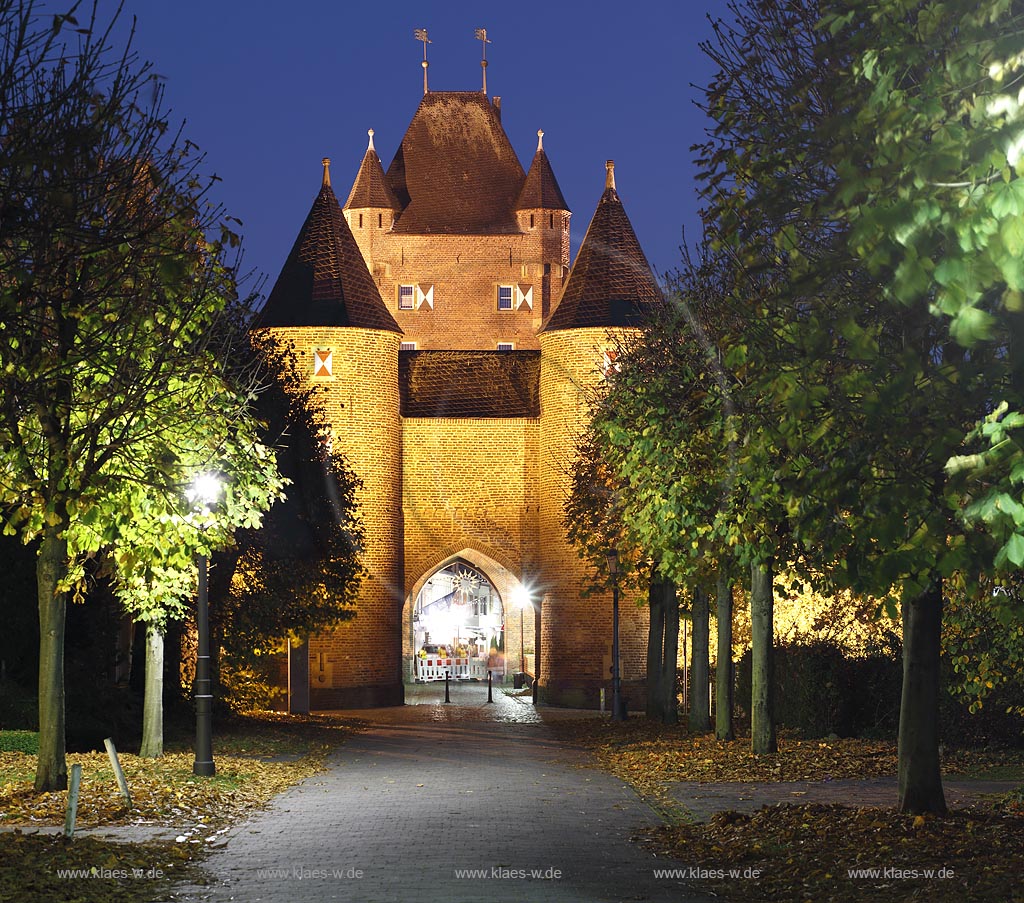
[[252, 680], [821, 689], [19, 741], [301, 571], [983, 643], [114, 289], [935, 207]]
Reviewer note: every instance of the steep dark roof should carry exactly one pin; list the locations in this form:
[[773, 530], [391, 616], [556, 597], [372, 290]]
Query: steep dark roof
[[611, 281], [469, 383], [371, 188], [324, 281], [455, 170], [540, 188]]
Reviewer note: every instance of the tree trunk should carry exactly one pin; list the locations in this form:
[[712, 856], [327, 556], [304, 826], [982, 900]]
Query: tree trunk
[[172, 662], [700, 666], [153, 699], [723, 670], [920, 774], [51, 767], [655, 645], [762, 703], [670, 707]]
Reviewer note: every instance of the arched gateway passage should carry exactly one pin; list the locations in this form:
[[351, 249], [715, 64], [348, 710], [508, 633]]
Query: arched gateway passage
[[458, 626], [467, 616]]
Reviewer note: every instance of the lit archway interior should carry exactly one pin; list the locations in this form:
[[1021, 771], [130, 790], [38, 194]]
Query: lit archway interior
[[457, 626]]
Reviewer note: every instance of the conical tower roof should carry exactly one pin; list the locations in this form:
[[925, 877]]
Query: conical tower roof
[[324, 281], [371, 188], [455, 171], [611, 282], [540, 187]]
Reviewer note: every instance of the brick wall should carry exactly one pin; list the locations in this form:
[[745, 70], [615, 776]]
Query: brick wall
[[465, 272], [487, 490], [576, 630], [359, 662], [469, 490]]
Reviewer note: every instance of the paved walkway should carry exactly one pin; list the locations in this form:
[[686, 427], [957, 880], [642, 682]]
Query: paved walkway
[[701, 801], [434, 802]]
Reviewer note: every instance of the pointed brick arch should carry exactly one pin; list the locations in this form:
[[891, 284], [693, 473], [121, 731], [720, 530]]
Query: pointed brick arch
[[504, 580]]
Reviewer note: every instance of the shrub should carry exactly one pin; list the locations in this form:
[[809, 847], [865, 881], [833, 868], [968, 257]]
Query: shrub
[[820, 690], [20, 741]]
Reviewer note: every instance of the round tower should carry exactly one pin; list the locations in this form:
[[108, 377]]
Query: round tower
[[326, 306], [371, 206], [609, 286], [541, 212]]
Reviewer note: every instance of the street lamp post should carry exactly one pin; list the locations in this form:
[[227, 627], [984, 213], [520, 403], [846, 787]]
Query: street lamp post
[[524, 600], [204, 764], [618, 709], [204, 492]]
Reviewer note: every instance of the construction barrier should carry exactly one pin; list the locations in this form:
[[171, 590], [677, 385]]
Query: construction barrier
[[432, 668]]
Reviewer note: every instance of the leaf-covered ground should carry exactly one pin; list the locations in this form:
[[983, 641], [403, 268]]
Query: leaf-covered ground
[[256, 758], [806, 852], [85, 870], [650, 755], [848, 854]]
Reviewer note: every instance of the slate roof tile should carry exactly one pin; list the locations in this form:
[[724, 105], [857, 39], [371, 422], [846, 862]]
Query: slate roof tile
[[324, 281], [540, 188], [371, 188], [455, 170], [469, 383], [611, 281]]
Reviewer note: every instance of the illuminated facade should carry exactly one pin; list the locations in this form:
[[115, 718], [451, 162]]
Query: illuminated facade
[[438, 311]]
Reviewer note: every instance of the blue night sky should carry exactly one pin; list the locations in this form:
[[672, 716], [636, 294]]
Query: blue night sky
[[267, 89]]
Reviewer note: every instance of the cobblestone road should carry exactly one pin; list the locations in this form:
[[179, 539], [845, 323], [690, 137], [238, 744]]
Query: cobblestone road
[[434, 802]]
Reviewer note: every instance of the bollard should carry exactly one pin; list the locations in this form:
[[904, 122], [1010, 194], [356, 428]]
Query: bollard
[[115, 763], [76, 782], [490, 698], [447, 698]]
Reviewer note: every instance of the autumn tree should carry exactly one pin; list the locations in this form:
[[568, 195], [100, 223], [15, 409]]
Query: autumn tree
[[111, 273], [300, 572], [867, 398]]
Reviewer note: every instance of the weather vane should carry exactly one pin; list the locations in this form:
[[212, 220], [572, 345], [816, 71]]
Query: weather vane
[[421, 35], [481, 36]]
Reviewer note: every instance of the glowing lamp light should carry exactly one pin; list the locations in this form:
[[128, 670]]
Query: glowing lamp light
[[521, 597], [205, 489]]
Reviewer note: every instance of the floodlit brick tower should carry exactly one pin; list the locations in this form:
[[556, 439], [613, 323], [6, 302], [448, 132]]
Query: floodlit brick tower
[[371, 207], [476, 248], [453, 346], [606, 292], [326, 304], [542, 211]]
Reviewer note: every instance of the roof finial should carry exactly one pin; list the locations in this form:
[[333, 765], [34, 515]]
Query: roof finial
[[370, 133], [327, 172], [540, 140], [609, 179], [421, 35], [481, 35]]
